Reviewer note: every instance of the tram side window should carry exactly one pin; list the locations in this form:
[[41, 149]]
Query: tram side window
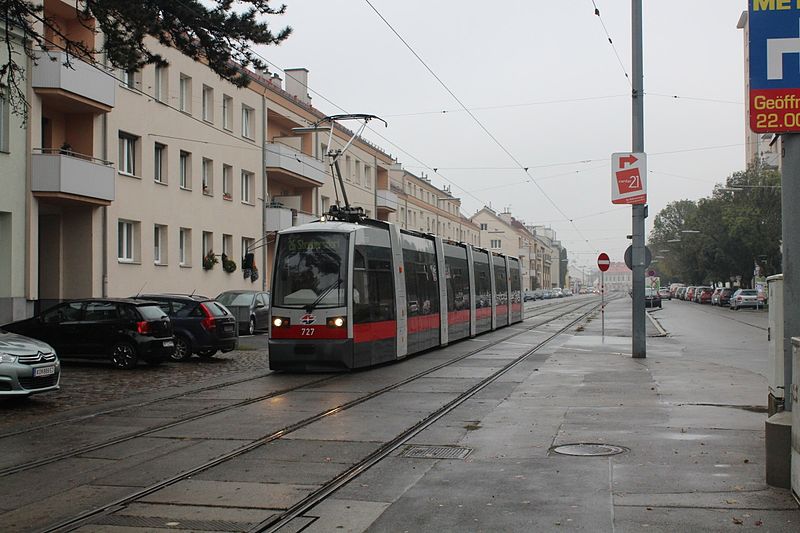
[[457, 284], [500, 281], [421, 288], [373, 286], [515, 282], [483, 285]]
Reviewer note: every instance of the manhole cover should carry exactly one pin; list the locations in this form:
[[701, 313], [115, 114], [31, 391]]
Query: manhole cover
[[436, 452], [588, 450]]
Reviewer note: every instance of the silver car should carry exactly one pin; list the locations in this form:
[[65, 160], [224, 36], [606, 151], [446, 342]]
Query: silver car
[[27, 366], [745, 298]]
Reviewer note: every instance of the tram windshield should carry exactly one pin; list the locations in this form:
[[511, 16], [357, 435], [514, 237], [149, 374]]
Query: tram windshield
[[311, 270]]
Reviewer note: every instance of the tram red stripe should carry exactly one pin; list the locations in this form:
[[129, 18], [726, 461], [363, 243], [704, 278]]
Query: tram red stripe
[[483, 312], [502, 310], [516, 308], [308, 332], [458, 317], [422, 323], [374, 331]]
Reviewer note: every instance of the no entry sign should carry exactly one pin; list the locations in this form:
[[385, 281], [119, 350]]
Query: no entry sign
[[603, 262]]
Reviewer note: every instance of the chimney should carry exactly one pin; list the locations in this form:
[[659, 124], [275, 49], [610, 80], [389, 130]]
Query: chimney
[[276, 81], [297, 84]]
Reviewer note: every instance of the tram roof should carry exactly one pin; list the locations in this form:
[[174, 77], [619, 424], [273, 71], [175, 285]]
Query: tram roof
[[335, 226]]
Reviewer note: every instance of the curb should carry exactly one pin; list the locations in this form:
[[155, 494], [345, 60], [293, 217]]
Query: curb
[[661, 331]]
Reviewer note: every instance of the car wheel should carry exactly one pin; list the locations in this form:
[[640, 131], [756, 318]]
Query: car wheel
[[251, 328], [207, 354], [123, 355], [183, 350]]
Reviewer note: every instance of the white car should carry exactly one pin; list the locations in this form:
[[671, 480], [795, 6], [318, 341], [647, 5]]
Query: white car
[[27, 366]]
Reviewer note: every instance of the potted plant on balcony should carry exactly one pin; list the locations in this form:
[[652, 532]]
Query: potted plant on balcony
[[210, 260], [227, 196], [228, 265]]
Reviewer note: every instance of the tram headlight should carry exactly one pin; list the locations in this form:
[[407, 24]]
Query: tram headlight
[[280, 322], [336, 322]]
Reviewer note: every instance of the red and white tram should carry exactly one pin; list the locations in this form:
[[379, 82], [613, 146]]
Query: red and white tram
[[349, 295]]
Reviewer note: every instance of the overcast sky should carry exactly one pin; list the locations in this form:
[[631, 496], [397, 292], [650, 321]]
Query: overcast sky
[[544, 81]]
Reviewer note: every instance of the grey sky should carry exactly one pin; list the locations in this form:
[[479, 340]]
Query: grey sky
[[551, 54]]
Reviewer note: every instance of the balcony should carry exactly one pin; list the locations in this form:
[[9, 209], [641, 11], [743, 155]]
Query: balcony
[[387, 200], [80, 87], [280, 218], [74, 178], [286, 160]]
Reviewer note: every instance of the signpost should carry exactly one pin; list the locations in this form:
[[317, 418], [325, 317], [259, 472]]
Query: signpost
[[629, 178], [603, 262]]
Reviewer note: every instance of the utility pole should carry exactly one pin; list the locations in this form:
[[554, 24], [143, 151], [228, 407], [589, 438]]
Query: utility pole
[[639, 347], [790, 192]]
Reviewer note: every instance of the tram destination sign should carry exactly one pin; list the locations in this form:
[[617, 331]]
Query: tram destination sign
[[774, 29]]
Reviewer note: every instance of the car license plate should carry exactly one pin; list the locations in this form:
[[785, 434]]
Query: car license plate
[[228, 328], [168, 344], [44, 371]]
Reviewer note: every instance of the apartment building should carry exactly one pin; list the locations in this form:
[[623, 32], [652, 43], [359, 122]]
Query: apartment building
[[421, 206], [13, 170], [506, 234]]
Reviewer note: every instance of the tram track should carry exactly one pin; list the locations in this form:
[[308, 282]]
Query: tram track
[[74, 452], [87, 516]]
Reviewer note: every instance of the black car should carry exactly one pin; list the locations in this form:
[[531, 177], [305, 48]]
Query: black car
[[201, 325], [123, 330], [251, 309]]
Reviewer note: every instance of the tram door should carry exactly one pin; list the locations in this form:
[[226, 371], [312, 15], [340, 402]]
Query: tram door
[[457, 283], [374, 320], [501, 289], [422, 292], [483, 291], [516, 290]]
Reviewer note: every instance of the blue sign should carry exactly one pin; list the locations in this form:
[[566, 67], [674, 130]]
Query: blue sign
[[774, 27]]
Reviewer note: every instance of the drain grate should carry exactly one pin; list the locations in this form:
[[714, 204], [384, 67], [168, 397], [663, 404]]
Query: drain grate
[[585, 449], [436, 452]]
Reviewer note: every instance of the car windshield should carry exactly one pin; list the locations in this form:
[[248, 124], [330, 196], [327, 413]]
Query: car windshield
[[310, 270], [236, 299], [749, 292]]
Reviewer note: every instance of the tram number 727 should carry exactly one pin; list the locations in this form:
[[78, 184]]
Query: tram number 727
[[307, 332]]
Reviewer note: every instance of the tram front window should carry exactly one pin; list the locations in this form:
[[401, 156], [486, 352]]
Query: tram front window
[[311, 270]]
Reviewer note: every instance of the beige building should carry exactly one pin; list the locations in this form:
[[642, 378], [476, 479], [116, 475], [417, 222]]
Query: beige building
[[504, 233], [421, 206]]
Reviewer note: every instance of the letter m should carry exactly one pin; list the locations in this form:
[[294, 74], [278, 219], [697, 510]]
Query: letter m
[[763, 5]]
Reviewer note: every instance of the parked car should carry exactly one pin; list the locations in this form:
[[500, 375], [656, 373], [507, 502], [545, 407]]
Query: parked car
[[680, 293], [27, 366], [689, 296], [663, 293], [528, 296], [200, 325], [745, 298], [725, 297], [715, 296], [250, 308], [704, 295], [651, 298], [121, 329], [547, 294]]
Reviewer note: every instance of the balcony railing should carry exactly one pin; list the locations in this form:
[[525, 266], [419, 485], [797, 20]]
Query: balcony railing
[[285, 158], [279, 218], [67, 75], [387, 200], [73, 174]]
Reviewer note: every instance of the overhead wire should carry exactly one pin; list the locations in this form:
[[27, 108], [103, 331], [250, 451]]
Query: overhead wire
[[611, 42]]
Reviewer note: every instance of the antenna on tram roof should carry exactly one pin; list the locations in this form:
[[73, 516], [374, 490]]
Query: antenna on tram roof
[[337, 212]]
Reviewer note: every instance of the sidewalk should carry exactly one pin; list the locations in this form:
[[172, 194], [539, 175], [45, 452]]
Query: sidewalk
[[692, 430]]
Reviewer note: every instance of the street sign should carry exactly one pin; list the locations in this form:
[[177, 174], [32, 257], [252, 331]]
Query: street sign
[[628, 178], [774, 27], [648, 257], [603, 262]]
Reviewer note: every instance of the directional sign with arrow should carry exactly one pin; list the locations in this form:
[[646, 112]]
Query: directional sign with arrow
[[628, 178]]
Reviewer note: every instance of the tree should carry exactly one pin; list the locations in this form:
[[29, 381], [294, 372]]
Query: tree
[[217, 32]]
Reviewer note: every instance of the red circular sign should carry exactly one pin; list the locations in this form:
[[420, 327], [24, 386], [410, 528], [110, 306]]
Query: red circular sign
[[603, 262]]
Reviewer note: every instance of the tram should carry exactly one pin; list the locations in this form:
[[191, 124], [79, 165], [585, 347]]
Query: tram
[[351, 292]]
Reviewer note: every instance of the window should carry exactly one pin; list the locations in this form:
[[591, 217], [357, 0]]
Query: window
[[208, 243], [248, 122], [227, 245], [324, 151], [185, 170], [4, 119], [227, 112], [248, 245], [208, 176], [185, 95], [159, 163], [367, 177], [484, 227], [227, 182], [373, 286], [159, 244], [208, 104], [348, 168], [129, 78], [247, 187], [185, 247], [127, 153], [126, 240], [160, 85], [326, 204], [358, 172], [495, 243]]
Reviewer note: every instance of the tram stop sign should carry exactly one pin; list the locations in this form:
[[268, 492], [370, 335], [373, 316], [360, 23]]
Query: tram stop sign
[[603, 262]]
